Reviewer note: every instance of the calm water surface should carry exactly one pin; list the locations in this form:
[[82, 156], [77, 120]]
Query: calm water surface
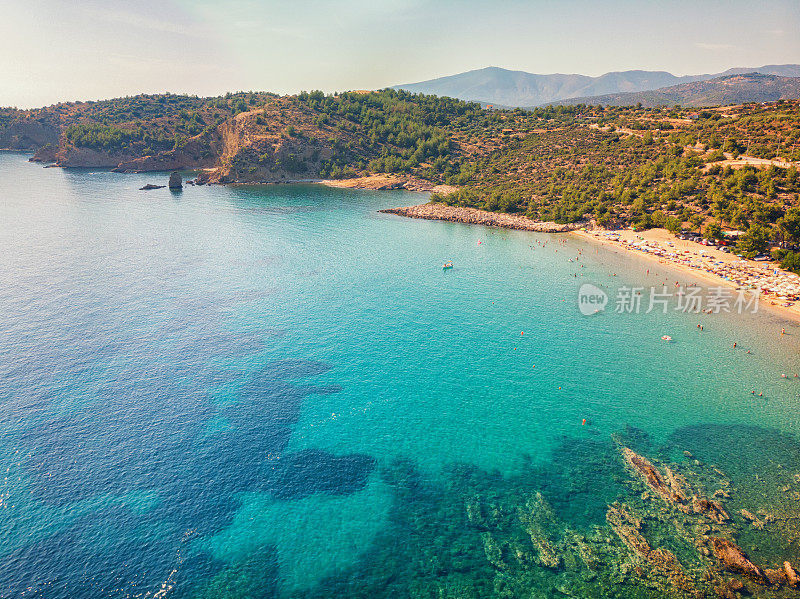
[[241, 391]]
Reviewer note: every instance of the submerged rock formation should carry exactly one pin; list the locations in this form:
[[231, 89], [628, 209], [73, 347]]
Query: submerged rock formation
[[710, 508], [660, 561], [734, 559], [538, 519], [658, 536], [669, 490]]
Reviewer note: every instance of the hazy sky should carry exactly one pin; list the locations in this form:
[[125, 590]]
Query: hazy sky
[[52, 50]]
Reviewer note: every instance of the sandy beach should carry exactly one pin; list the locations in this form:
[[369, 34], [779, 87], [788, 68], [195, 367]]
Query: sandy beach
[[778, 288], [386, 182]]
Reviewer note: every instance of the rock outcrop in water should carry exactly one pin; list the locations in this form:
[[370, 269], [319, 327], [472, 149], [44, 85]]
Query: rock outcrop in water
[[175, 180], [670, 487], [703, 522], [671, 493], [661, 562], [710, 508], [734, 559]]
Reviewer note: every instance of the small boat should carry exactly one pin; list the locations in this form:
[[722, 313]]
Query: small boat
[[448, 264], [666, 338]]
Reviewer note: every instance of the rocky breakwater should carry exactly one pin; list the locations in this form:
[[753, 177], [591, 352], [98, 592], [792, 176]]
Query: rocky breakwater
[[473, 216]]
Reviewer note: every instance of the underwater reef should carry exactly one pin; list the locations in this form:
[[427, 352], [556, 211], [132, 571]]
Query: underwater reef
[[713, 512]]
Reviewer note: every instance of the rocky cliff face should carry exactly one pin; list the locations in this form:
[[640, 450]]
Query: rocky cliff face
[[270, 144], [28, 135], [83, 157], [248, 139], [201, 151], [256, 147]]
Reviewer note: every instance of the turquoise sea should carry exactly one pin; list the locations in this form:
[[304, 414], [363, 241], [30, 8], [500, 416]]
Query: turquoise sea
[[278, 392]]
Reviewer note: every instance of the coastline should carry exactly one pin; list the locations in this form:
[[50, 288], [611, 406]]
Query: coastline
[[654, 244], [654, 236], [657, 245], [376, 182]]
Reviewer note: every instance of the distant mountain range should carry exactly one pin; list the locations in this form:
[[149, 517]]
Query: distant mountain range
[[502, 87], [731, 89]]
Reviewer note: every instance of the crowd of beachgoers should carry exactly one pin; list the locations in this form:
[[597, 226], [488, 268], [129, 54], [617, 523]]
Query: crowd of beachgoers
[[774, 285]]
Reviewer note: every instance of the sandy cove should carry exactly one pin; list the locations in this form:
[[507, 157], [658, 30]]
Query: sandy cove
[[779, 292]]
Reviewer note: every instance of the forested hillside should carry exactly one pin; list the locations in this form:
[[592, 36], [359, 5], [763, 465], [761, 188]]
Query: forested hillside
[[734, 166], [648, 167]]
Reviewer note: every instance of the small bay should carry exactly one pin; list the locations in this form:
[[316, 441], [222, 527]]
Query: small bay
[[278, 391]]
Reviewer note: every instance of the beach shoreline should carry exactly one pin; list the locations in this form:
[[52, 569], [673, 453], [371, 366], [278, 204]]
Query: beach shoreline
[[683, 257], [605, 237]]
